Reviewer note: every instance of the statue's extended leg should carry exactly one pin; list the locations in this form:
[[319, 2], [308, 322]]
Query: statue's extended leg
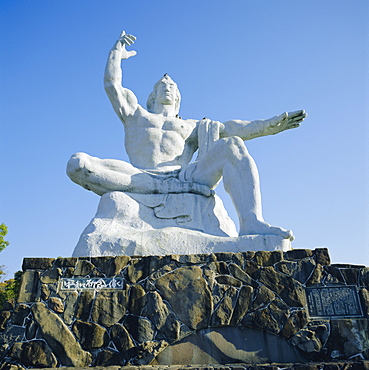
[[229, 158], [105, 175]]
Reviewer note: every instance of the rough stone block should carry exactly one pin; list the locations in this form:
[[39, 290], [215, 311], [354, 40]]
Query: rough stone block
[[242, 304], [29, 287], [252, 268], [65, 262], [110, 266], [109, 307], [241, 275], [21, 311], [137, 299], [147, 351], [108, 357], [316, 277], [188, 294], [90, 335], [364, 277], [219, 267], [37, 263], [70, 307], [60, 338], [223, 314], [31, 329], [121, 338], [4, 318], [262, 298], [348, 337], [350, 275], [307, 341], [34, 354], [262, 320], [364, 298], [265, 258], [297, 254], [336, 275], [84, 305], [161, 316], [141, 329], [194, 259], [300, 270], [141, 268], [56, 304], [45, 292], [51, 276], [83, 268], [228, 280], [9, 304], [280, 311], [290, 290], [10, 335], [295, 322], [322, 256]]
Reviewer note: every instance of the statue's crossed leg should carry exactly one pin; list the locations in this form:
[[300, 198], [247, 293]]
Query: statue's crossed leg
[[105, 175], [228, 158]]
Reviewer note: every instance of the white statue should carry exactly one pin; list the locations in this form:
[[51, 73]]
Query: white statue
[[160, 146]]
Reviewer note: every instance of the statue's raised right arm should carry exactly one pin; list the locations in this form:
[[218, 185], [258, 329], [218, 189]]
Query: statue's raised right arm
[[123, 100]]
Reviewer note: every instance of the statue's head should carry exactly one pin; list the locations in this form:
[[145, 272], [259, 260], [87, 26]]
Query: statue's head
[[165, 93]]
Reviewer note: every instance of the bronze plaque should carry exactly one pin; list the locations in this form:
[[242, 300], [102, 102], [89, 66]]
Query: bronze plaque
[[333, 301]]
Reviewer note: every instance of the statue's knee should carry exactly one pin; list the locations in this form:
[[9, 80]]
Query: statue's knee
[[236, 144], [237, 141], [76, 163]]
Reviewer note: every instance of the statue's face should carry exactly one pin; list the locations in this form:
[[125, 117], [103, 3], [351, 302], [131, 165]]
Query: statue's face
[[166, 93]]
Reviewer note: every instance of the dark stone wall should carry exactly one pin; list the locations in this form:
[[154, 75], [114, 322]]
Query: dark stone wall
[[165, 301]]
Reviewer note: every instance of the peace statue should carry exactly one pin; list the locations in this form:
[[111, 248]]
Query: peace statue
[[160, 146]]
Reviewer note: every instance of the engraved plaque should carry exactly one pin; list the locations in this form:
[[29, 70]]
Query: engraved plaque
[[331, 302], [90, 283]]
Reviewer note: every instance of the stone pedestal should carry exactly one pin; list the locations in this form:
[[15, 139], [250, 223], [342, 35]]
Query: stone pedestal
[[221, 308], [159, 224]]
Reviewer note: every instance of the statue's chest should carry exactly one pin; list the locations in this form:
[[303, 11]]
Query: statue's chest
[[177, 126], [167, 126]]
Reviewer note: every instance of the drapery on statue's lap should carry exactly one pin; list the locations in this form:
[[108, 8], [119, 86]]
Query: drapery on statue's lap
[[160, 146]]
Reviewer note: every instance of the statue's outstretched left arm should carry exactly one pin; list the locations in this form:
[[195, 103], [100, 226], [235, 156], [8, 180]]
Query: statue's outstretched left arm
[[248, 130]]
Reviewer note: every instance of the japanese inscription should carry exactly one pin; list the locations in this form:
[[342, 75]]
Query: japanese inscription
[[338, 301], [91, 283]]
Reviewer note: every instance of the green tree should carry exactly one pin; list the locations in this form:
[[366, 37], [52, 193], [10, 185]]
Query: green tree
[[3, 232], [9, 288]]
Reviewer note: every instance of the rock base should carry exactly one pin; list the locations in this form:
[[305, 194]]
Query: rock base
[[344, 365], [244, 308]]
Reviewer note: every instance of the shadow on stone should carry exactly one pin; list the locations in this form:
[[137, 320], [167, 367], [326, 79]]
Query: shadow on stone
[[229, 345]]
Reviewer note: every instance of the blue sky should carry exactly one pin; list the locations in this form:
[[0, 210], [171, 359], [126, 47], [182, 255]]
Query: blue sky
[[236, 59]]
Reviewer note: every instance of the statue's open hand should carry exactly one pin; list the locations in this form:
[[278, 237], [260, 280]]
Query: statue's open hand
[[124, 40], [285, 121]]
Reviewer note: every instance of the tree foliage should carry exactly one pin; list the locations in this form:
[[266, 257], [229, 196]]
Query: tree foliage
[[3, 232], [9, 288]]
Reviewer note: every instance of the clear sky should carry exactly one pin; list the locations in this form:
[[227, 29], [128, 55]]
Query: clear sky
[[231, 59]]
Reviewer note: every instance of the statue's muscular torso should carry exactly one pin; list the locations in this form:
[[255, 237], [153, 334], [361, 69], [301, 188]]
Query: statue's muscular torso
[[153, 141]]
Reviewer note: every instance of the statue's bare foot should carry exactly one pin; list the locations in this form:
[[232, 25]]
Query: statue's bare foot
[[263, 228]]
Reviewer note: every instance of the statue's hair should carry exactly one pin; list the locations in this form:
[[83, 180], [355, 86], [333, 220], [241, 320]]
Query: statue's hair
[[151, 99]]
